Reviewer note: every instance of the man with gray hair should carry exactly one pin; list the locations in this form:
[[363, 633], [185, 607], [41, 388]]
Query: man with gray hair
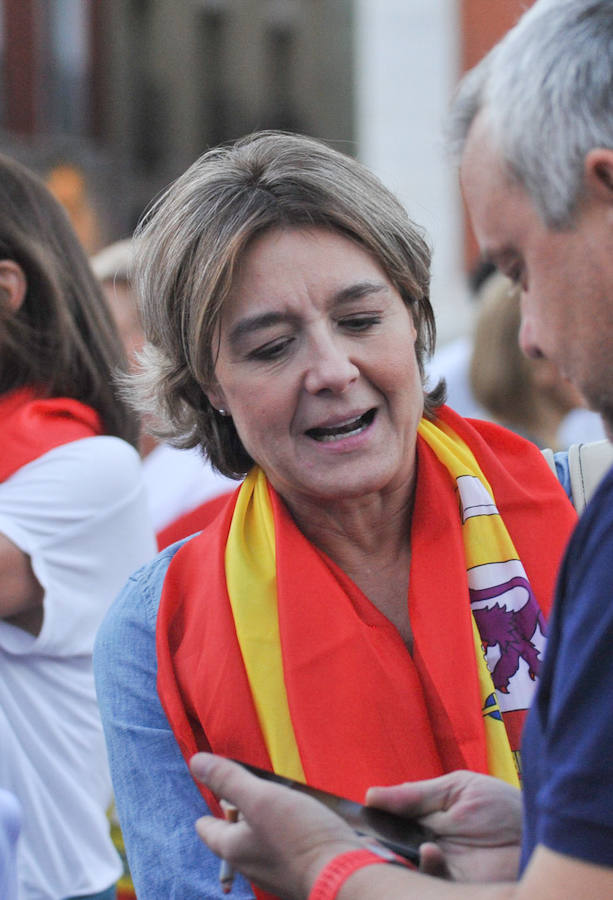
[[532, 126], [532, 129]]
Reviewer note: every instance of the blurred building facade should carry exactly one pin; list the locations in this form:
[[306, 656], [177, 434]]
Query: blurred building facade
[[135, 90], [130, 92]]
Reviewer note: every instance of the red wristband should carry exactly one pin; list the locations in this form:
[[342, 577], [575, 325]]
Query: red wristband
[[332, 877]]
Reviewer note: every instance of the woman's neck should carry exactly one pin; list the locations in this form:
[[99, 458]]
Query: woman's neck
[[359, 527], [369, 539]]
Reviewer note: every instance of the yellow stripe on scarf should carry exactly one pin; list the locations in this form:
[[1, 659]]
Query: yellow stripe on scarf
[[486, 540], [252, 587]]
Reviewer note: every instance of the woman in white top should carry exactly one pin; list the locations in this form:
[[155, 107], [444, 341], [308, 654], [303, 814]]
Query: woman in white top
[[73, 526]]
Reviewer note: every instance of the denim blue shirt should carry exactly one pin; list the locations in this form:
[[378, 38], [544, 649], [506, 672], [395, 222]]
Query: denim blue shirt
[[156, 797]]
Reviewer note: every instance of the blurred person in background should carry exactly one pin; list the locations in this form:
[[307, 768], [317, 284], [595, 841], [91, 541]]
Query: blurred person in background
[[529, 396], [322, 624], [451, 361], [180, 483], [73, 525]]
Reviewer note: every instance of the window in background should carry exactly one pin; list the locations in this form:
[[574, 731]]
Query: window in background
[[65, 83]]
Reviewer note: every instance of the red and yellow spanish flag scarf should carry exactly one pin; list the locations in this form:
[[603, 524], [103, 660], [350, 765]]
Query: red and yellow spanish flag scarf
[[267, 651], [31, 425]]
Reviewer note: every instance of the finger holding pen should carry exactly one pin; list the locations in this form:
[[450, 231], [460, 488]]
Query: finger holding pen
[[281, 840]]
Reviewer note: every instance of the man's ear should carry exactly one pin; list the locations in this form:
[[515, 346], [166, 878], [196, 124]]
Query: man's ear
[[599, 172], [13, 283]]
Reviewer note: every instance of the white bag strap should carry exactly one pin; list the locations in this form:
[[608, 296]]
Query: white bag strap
[[588, 464], [550, 458]]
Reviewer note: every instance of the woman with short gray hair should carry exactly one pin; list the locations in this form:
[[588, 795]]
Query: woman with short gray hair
[[321, 626], [194, 238]]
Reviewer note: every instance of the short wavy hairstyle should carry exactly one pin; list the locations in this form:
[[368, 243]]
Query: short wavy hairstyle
[[191, 241]]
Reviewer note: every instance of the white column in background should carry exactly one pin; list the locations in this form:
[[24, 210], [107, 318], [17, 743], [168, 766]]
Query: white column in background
[[406, 59]]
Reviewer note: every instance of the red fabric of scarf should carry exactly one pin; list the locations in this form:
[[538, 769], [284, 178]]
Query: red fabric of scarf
[[31, 426]]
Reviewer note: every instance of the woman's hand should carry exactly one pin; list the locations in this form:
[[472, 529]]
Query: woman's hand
[[477, 820], [282, 840]]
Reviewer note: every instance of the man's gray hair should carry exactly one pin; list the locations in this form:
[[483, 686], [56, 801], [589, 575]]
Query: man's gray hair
[[546, 95]]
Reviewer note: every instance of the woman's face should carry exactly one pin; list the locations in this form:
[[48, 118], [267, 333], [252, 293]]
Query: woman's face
[[317, 367]]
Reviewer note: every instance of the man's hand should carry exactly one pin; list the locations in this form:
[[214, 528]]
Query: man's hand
[[282, 839], [477, 820]]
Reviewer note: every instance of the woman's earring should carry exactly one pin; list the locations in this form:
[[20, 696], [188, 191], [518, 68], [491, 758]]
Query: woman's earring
[[223, 412]]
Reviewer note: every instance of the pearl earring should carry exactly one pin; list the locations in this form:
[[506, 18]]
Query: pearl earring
[[222, 412]]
